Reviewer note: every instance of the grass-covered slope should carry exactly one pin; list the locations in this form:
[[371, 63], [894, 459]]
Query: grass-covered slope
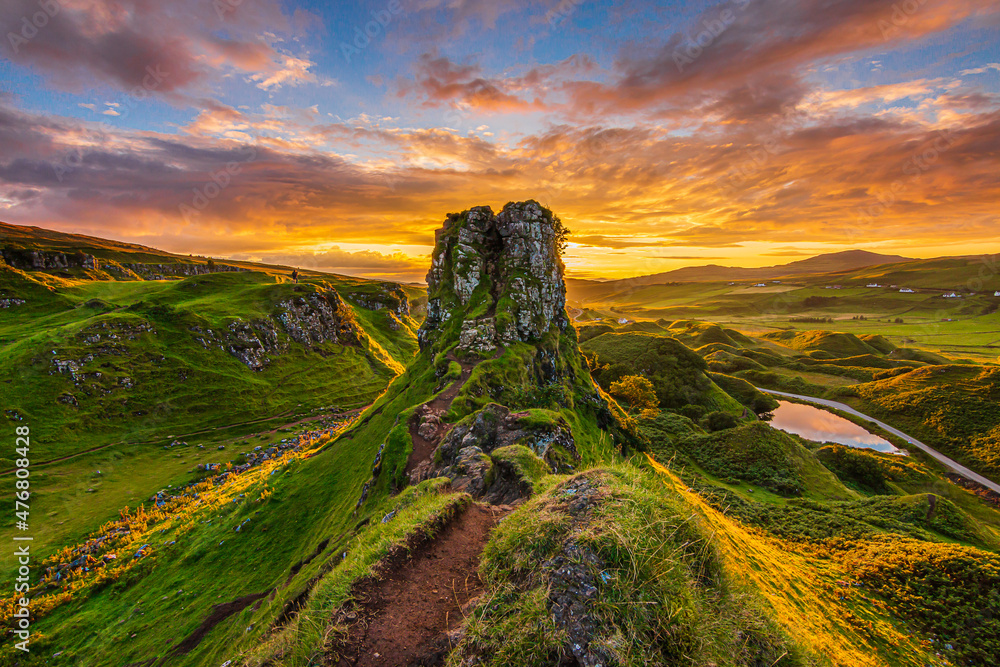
[[108, 374], [607, 568], [303, 513], [677, 373], [815, 593], [835, 344], [953, 408], [753, 453]]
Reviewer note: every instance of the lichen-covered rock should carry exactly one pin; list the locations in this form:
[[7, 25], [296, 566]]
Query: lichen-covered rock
[[496, 304], [478, 335], [430, 423], [390, 296], [46, 260], [462, 453], [251, 343], [319, 317], [471, 472], [174, 270], [310, 320], [505, 265]]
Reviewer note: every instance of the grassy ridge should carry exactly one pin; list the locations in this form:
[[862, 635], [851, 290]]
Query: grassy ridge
[[832, 625], [142, 379], [954, 408], [661, 597]]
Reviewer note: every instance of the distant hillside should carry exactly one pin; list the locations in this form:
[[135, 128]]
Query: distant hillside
[[48, 240], [837, 262]]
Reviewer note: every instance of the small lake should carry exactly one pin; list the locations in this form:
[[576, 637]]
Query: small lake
[[818, 425]]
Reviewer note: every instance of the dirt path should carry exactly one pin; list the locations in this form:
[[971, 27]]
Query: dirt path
[[424, 447], [404, 619], [220, 612]]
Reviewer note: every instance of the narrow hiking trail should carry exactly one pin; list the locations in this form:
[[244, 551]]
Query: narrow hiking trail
[[405, 618], [405, 614], [423, 446]]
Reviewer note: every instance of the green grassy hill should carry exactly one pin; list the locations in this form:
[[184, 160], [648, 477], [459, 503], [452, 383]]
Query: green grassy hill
[[678, 374], [134, 383], [593, 532], [966, 327]]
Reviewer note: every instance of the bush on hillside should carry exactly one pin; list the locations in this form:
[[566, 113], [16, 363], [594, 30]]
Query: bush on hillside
[[677, 373], [720, 421], [692, 412], [866, 470], [636, 391], [746, 393]]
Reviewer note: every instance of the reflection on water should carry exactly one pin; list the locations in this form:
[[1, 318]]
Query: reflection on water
[[821, 426]]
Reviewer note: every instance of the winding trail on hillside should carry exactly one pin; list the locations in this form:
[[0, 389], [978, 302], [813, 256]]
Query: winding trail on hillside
[[947, 462], [406, 617], [423, 447]]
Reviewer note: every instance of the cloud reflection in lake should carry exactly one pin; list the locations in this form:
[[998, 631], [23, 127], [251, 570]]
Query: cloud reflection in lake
[[821, 426]]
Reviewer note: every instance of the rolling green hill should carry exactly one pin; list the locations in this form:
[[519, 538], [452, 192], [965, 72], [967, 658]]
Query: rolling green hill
[[489, 503], [133, 382]]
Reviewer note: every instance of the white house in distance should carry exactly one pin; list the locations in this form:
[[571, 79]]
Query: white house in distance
[[951, 296], [872, 285], [997, 293], [761, 285], [906, 290]]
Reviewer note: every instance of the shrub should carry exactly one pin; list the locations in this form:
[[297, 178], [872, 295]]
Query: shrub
[[720, 421], [636, 391], [692, 412]]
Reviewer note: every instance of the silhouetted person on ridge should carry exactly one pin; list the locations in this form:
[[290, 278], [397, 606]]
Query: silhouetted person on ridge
[[295, 276]]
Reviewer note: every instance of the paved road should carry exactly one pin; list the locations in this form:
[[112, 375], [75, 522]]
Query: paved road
[[948, 463]]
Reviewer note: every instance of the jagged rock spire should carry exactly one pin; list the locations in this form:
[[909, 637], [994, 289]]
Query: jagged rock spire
[[496, 279]]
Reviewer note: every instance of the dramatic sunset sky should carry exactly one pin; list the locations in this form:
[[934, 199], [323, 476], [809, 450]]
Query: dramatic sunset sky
[[664, 134]]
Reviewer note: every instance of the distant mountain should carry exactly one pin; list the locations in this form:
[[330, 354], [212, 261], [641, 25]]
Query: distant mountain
[[836, 262]]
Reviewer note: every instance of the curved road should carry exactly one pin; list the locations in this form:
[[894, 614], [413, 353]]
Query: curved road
[[948, 463]]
